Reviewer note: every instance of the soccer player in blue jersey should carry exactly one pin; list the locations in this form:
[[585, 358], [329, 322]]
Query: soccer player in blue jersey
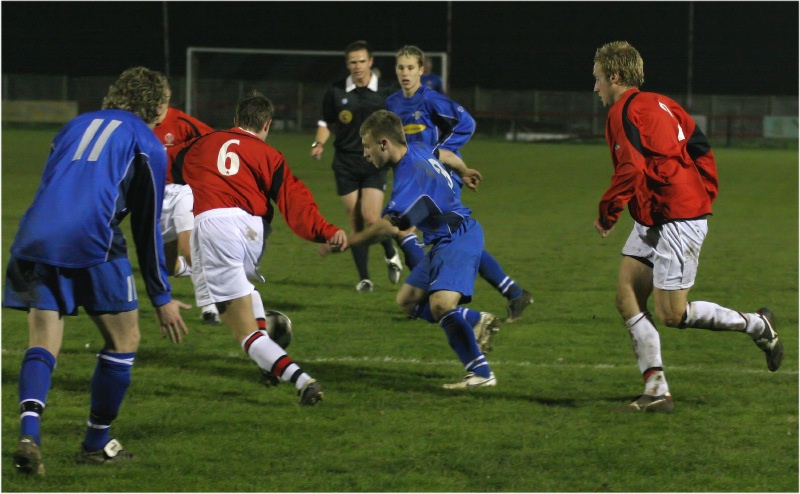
[[69, 251], [434, 119], [425, 196]]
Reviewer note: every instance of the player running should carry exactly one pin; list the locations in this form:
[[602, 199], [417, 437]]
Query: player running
[[665, 172], [236, 177], [425, 196], [435, 120]]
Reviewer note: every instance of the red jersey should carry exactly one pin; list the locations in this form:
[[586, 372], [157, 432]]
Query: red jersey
[[664, 168], [236, 169], [177, 128]]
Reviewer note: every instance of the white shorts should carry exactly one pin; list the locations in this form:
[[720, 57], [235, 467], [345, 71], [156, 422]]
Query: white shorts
[[226, 248], [176, 211], [673, 250]]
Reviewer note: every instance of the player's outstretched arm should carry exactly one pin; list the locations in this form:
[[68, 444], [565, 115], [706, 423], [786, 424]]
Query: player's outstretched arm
[[335, 244], [375, 232], [170, 320], [470, 176]]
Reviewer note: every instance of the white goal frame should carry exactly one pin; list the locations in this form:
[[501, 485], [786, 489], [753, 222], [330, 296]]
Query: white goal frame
[[192, 50]]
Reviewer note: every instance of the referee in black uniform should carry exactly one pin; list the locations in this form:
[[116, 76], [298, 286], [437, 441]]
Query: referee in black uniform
[[360, 185]]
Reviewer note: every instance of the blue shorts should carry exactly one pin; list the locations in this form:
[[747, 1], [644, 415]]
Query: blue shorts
[[452, 263], [102, 288]]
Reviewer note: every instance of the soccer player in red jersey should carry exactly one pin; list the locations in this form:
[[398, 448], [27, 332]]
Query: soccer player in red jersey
[[173, 128], [665, 172], [237, 180]]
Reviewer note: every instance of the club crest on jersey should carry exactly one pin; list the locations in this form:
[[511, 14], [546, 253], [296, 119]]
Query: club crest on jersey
[[169, 140], [417, 115], [345, 116], [344, 101]]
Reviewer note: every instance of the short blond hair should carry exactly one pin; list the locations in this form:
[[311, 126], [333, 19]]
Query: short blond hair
[[620, 57]]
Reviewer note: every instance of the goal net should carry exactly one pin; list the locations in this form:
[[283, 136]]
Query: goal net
[[294, 80]]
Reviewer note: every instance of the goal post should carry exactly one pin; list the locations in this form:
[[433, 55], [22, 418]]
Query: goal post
[[295, 80]]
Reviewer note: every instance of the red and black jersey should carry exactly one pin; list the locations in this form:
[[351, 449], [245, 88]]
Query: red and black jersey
[[664, 168], [177, 128], [236, 169]]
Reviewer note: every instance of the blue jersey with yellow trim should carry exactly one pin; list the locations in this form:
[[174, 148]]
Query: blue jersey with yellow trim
[[432, 118]]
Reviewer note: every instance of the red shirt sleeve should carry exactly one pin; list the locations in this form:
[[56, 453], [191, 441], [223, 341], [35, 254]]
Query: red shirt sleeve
[[629, 165], [296, 203]]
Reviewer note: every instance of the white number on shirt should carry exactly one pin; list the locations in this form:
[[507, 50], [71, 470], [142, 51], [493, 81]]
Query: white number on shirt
[[89, 134], [224, 156], [680, 130], [440, 170]]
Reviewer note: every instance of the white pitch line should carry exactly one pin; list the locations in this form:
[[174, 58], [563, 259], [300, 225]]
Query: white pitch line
[[510, 363], [523, 363]]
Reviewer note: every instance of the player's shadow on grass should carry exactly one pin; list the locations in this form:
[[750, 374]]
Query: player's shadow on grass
[[353, 378]]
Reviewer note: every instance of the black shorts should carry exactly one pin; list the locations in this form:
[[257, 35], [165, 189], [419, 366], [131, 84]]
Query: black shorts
[[353, 172]]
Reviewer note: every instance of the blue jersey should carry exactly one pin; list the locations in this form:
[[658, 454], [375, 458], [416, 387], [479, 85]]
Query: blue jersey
[[424, 195], [102, 166], [432, 118]]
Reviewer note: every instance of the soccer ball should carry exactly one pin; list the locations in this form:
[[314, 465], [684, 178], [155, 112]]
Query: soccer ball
[[279, 328]]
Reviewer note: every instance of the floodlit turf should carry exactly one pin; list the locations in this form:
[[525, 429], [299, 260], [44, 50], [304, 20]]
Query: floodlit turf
[[198, 420]]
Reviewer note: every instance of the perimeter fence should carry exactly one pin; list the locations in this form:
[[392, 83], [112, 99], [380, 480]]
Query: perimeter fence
[[513, 115]]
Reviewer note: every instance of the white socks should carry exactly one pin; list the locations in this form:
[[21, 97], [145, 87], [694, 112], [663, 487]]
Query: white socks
[[269, 356], [258, 305], [647, 347], [708, 315], [183, 268]]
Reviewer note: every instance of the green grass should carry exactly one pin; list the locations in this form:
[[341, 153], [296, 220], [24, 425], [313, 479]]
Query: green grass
[[200, 422]]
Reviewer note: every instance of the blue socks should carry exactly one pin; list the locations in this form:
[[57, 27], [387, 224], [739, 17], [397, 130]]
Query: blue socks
[[462, 341], [34, 384], [413, 250], [423, 311], [110, 382], [491, 271]]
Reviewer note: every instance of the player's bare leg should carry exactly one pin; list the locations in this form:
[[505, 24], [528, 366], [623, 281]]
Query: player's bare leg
[[371, 204]]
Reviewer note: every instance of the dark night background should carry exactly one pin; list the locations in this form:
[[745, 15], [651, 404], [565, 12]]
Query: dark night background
[[739, 47]]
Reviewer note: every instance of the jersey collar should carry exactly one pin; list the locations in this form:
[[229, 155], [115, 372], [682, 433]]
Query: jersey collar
[[349, 85]]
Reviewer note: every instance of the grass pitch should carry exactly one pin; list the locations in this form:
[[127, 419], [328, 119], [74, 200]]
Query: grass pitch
[[199, 421]]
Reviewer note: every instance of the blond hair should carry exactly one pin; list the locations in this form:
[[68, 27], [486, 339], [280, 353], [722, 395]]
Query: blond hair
[[138, 90], [619, 57]]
